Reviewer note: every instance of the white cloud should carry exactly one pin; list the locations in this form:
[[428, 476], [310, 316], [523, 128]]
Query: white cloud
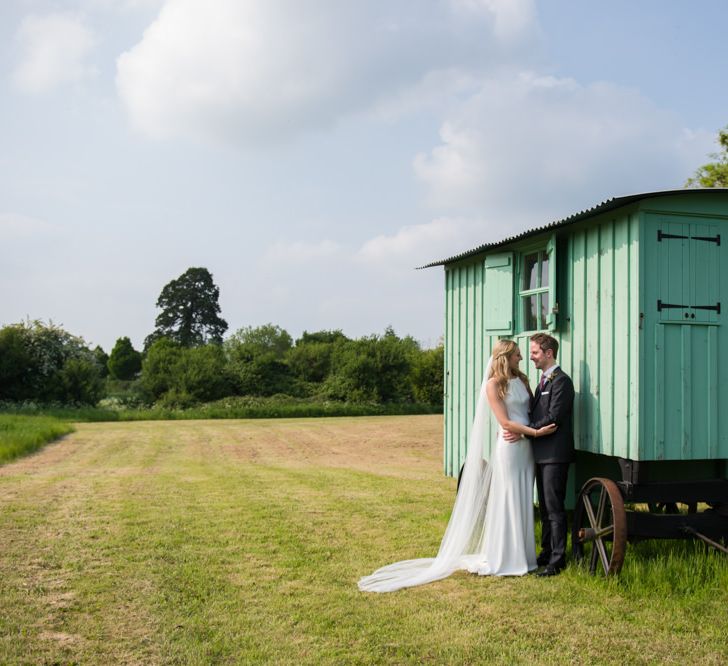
[[511, 18], [53, 52], [528, 143], [267, 69], [419, 244]]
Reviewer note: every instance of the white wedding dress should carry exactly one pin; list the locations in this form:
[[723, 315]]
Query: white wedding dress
[[508, 546], [491, 527]]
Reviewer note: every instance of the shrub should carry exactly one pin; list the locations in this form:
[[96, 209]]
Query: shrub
[[81, 381], [124, 362], [181, 377], [372, 369], [428, 375], [35, 364], [258, 360], [158, 367]]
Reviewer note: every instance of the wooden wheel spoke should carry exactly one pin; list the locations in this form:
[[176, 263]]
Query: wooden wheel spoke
[[590, 512], [593, 559], [600, 509], [603, 556]]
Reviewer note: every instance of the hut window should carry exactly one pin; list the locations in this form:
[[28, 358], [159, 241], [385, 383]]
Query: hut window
[[536, 289]]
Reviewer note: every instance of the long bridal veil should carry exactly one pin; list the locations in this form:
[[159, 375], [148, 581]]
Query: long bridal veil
[[463, 536]]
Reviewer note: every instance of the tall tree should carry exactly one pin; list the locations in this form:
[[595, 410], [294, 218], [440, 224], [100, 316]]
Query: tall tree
[[190, 311], [713, 174]]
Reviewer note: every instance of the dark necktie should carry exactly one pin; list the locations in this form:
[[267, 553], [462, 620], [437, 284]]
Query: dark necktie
[[542, 383]]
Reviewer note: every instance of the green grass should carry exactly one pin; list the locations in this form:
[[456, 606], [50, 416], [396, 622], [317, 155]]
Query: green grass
[[236, 542], [20, 435], [246, 407]]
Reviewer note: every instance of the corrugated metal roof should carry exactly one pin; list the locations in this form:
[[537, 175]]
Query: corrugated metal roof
[[609, 204]]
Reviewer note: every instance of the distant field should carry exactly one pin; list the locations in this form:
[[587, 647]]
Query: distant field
[[225, 542]]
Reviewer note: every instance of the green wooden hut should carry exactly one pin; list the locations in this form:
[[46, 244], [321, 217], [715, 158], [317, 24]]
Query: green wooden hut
[[632, 289]]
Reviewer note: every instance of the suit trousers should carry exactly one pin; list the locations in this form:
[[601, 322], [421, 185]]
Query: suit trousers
[[551, 486]]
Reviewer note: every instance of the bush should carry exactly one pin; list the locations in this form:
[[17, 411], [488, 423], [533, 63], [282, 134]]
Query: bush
[[255, 341], [184, 376], [45, 363], [353, 377], [311, 362], [17, 366], [428, 375], [158, 368], [262, 375], [372, 369], [124, 362], [202, 374], [258, 363], [81, 381]]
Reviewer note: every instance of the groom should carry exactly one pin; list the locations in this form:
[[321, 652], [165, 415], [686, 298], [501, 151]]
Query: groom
[[552, 403]]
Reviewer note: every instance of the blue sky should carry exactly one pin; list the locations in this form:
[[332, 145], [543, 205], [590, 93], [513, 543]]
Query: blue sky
[[311, 153]]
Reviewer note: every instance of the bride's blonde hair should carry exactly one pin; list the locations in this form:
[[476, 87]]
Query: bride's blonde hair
[[499, 368]]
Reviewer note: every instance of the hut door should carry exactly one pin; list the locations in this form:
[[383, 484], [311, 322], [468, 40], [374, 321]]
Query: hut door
[[686, 340], [687, 258]]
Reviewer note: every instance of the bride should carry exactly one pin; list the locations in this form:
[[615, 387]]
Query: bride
[[491, 527]]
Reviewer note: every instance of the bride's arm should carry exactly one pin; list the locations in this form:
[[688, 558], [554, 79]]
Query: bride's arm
[[500, 412]]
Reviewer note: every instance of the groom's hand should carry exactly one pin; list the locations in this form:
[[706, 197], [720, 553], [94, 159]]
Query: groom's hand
[[511, 436]]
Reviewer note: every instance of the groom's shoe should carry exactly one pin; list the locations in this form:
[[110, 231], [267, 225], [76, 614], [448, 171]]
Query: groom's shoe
[[550, 570], [543, 559]]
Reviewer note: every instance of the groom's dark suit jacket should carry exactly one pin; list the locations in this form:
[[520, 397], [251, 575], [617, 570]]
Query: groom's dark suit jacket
[[554, 405]]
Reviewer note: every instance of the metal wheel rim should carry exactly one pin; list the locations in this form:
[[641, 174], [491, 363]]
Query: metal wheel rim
[[600, 519]]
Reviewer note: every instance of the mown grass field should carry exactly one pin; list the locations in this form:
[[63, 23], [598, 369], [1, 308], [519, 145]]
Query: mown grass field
[[226, 542]]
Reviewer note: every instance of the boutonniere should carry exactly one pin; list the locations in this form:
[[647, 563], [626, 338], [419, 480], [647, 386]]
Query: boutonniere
[[550, 378]]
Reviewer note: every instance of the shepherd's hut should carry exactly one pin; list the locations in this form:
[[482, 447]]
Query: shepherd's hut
[[635, 290]]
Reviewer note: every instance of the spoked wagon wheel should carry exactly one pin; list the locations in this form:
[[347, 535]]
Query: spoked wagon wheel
[[600, 526]]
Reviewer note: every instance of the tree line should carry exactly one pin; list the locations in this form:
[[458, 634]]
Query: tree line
[[187, 360]]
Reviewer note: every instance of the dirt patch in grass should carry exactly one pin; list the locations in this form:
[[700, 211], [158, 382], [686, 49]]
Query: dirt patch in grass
[[402, 445]]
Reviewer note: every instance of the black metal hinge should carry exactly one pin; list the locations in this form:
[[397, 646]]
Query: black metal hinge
[[667, 306], [709, 239], [715, 307], [661, 235]]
